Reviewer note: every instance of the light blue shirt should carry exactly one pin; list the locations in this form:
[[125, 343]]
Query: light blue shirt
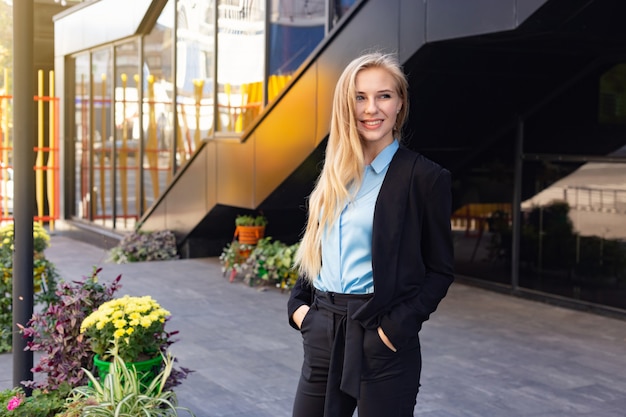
[[347, 245]]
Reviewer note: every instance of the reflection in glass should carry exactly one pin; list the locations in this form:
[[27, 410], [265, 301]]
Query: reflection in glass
[[482, 216], [612, 96], [240, 72], [574, 232], [194, 73], [340, 8], [296, 28], [158, 120], [82, 135], [102, 70], [127, 135]]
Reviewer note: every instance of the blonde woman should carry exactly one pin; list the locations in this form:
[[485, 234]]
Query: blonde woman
[[376, 257]]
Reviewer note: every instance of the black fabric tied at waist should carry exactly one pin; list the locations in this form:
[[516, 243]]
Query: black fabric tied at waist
[[347, 350]]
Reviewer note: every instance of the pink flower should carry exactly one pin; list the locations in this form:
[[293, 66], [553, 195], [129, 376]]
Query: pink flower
[[14, 403]]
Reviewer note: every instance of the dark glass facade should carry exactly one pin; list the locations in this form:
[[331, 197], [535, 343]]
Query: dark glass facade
[[572, 233]]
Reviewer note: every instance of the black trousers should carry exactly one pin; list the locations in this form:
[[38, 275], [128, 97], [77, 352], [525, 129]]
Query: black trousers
[[387, 381]]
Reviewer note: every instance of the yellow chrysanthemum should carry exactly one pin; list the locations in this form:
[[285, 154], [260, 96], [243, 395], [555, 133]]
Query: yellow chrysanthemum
[[119, 324], [126, 319]]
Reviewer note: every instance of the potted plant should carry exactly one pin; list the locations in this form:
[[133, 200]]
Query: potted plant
[[54, 334], [272, 262], [135, 326], [249, 229], [233, 257], [124, 392]]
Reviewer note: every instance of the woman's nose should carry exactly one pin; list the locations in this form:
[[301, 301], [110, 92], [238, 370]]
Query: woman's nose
[[370, 106]]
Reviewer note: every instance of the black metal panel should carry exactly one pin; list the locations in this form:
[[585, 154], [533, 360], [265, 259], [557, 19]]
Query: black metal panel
[[466, 93], [525, 8]]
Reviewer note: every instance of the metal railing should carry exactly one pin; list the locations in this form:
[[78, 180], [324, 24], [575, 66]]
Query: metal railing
[[46, 152]]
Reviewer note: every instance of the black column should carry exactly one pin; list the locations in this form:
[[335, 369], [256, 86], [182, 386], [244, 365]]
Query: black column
[[24, 123], [516, 235]]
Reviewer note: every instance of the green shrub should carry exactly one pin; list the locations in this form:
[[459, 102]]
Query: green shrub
[[44, 275], [145, 246], [14, 402], [269, 262], [55, 332], [273, 263]]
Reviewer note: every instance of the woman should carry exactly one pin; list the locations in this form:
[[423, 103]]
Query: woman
[[376, 257]]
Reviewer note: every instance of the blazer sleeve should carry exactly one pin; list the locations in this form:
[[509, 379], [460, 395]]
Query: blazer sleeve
[[437, 246], [405, 319], [301, 294]]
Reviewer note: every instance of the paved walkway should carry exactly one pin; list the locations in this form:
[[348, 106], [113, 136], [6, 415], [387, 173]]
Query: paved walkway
[[485, 354]]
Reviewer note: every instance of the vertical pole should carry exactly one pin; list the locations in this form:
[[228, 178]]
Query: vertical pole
[[177, 142], [24, 142], [517, 203], [5, 140], [216, 109], [330, 15], [267, 54], [40, 142], [51, 166]]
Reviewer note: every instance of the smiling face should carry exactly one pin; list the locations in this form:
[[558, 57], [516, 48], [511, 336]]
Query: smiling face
[[377, 106]]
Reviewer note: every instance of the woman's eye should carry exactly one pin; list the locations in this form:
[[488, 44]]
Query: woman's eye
[[385, 96], [360, 98]]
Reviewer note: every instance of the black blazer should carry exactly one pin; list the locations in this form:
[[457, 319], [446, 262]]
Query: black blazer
[[412, 250]]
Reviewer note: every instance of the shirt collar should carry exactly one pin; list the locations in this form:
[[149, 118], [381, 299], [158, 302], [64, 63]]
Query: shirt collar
[[384, 157]]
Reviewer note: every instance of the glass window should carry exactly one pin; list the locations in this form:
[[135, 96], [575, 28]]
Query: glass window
[[339, 8], [195, 72], [241, 58], [82, 135], [482, 215], [573, 240], [102, 79], [127, 137], [296, 28], [158, 116], [612, 96]]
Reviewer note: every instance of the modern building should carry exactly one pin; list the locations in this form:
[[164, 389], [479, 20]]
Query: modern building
[[181, 114]]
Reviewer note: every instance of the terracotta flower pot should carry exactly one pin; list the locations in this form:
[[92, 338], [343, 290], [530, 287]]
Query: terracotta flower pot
[[249, 235]]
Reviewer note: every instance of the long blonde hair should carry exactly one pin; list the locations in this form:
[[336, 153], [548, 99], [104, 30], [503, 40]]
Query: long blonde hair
[[344, 163]]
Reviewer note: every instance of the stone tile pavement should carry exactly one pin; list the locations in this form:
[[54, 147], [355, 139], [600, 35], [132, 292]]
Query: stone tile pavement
[[485, 354]]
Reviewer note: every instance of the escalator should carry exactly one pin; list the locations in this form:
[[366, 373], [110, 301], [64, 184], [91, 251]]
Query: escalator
[[473, 71]]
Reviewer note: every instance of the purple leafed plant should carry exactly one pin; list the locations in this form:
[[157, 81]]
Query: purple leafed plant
[[56, 332]]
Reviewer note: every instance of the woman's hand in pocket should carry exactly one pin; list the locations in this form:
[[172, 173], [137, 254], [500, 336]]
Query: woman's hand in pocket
[[384, 339], [299, 314]]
